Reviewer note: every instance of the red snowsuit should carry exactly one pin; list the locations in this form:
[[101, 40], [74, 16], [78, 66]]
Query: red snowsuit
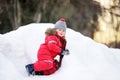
[[52, 47]]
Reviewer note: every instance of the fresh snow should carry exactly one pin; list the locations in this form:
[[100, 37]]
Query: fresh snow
[[88, 60]]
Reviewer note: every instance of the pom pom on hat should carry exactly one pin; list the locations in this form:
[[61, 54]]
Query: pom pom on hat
[[61, 24], [62, 19]]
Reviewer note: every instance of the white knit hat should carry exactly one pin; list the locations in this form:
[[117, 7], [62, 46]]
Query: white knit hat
[[61, 24]]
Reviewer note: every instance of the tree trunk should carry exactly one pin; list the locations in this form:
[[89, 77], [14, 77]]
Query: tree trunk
[[38, 14], [17, 14], [9, 14]]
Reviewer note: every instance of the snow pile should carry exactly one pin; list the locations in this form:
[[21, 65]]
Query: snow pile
[[88, 60]]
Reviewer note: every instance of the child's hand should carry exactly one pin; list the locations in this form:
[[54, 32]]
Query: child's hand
[[65, 52]]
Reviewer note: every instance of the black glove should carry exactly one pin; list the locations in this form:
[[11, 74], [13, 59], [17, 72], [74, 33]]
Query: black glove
[[65, 52]]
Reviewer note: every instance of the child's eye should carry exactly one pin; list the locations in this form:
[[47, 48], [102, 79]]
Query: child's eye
[[61, 30]]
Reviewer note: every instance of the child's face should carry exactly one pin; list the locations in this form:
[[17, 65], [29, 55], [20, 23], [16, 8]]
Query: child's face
[[60, 32]]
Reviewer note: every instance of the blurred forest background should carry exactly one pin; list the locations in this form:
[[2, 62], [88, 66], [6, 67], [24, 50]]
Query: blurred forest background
[[97, 19]]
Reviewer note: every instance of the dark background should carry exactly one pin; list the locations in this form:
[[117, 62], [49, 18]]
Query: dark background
[[81, 15]]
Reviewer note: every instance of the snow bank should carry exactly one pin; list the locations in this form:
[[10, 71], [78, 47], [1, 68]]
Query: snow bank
[[88, 60]]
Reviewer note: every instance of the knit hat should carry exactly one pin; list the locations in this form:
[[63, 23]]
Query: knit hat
[[61, 24]]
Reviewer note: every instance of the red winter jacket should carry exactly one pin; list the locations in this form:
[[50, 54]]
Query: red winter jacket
[[47, 52], [50, 49]]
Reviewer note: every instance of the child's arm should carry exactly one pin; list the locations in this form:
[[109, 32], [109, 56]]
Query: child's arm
[[52, 44]]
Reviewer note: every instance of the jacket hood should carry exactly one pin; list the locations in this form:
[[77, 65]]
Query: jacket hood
[[50, 31]]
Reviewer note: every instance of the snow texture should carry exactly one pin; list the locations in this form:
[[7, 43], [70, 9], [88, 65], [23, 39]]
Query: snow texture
[[88, 60]]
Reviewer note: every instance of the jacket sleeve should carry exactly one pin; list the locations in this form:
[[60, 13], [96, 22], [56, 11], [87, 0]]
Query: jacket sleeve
[[53, 44]]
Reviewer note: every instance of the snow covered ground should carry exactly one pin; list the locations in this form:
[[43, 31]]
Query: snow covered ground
[[88, 60]]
